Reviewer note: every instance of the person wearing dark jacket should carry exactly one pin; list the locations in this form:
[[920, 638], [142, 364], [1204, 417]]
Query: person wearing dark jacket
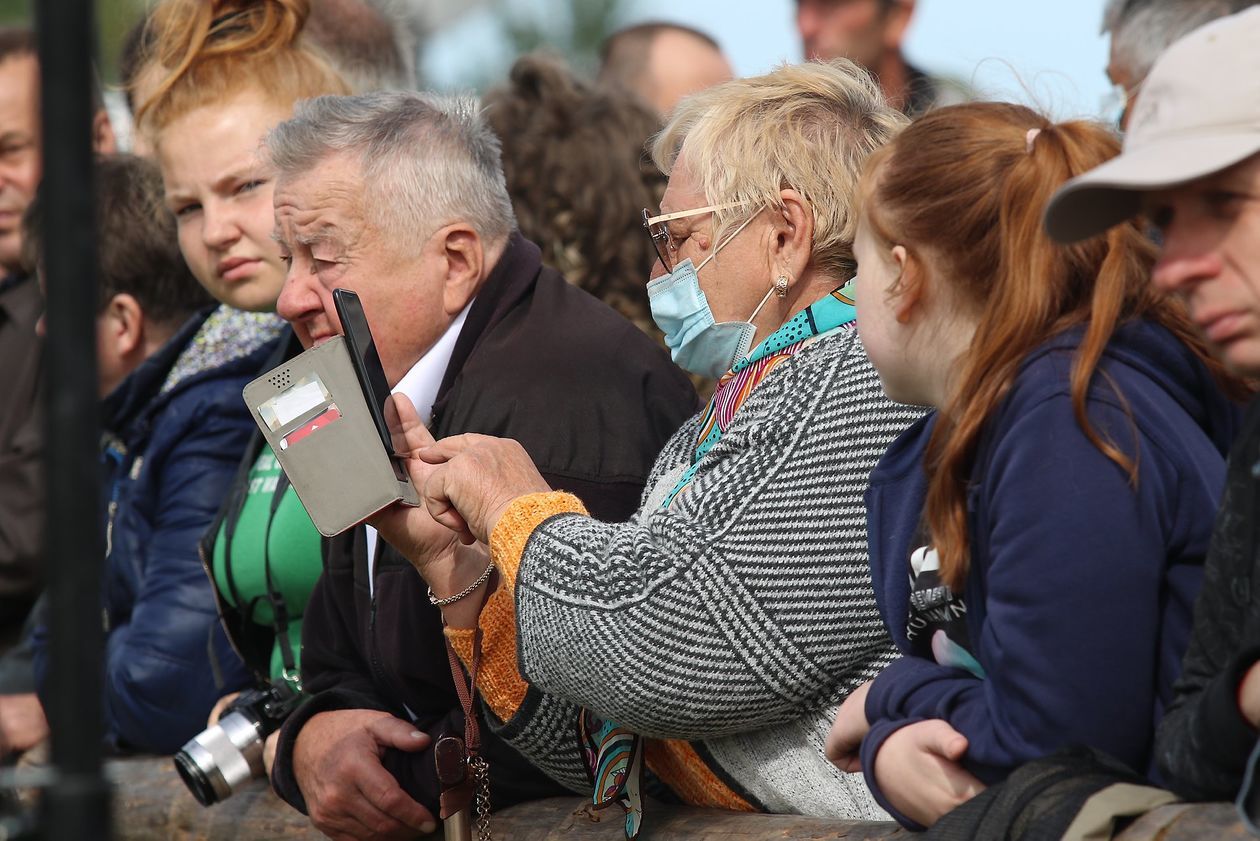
[[1072, 467], [400, 198], [21, 454], [174, 427], [1191, 160], [1184, 422]]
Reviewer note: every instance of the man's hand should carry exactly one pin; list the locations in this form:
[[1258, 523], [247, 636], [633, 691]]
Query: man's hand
[[918, 770], [413, 531], [465, 482], [216, 712], [269, 751], [349, 794], [472, 481], [849, 729], [22, 723], [1249, 695]]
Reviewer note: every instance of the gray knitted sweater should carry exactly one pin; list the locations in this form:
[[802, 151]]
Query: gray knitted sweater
[[737, 618]]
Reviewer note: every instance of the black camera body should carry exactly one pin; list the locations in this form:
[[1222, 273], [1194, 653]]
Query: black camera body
[[217, 760]]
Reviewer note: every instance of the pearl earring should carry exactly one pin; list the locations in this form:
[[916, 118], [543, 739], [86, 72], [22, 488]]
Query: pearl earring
[[781, 286]]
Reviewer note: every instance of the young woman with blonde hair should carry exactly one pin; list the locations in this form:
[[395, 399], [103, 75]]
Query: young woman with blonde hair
[[1064, 488], [215, 78]]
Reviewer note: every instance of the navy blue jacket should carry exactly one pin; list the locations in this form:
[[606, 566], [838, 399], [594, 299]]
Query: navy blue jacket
[[168, 459], [1081, 587]]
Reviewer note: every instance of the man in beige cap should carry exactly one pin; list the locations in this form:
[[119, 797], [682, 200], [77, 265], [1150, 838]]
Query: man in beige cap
[[1191, 161]]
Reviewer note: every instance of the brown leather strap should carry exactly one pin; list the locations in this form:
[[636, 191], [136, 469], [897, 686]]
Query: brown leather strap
[[466, 689], [458, 785]]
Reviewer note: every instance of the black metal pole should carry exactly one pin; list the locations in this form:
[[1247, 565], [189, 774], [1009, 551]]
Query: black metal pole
[[76, 803]]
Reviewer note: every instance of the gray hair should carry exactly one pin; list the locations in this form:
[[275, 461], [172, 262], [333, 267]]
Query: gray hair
[[426, 160], [1142, 29]]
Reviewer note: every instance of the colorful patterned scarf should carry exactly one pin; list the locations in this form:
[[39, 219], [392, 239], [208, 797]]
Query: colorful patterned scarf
[[614, 755]]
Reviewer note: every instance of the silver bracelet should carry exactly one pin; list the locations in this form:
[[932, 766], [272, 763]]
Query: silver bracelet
[[464, 593]]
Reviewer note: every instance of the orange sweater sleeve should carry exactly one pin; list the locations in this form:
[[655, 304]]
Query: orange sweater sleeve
[[499, 681]]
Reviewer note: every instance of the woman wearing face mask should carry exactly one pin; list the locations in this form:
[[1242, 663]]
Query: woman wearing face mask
[[215, 78], [727, 617]]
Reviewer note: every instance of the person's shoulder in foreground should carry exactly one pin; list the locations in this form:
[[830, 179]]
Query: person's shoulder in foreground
[[1192, 162]]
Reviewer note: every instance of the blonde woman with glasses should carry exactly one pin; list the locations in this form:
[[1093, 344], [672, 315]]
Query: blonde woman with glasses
[[702, 645]]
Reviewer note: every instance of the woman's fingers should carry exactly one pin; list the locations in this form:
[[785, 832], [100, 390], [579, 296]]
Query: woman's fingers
[[470, 479], [440, 452], [918, 770], [850, 727], [436, 494]]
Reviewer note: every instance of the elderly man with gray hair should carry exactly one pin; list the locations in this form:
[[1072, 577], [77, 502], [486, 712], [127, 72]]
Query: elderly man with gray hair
[[1142, 29], [400, 197]]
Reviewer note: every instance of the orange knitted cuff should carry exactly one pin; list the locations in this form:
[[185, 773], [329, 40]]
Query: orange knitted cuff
[[500, 682], [681, 768]]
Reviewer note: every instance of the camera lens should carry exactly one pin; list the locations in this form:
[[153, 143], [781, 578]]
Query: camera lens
[[196, 780], [220, 758]]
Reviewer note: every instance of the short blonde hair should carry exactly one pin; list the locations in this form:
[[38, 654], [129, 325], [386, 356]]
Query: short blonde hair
[[808, 127]]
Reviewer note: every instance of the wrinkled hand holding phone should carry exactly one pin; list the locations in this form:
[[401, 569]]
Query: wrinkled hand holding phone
[[327, 415]]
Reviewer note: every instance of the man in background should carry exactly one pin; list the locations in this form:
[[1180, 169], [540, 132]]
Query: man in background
[[21, 479], [1191, 163], [370, 42], [1142, 29], [21, 482], [660, 63], [871, 33]]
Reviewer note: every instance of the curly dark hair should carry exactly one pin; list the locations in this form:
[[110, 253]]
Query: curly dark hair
[[579, 177]]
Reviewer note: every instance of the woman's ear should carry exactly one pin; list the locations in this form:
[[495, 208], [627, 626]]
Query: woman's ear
[[793, 236], [908, 285]]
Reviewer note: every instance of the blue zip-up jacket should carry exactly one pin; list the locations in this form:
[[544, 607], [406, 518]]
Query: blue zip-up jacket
[[1081, 587], [168, 459]]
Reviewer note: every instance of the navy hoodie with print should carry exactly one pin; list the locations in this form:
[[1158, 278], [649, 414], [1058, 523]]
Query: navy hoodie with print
[[1081, 587]]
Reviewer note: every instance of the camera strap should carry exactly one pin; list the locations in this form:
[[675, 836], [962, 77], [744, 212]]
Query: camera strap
[[462, 771], [279, 609]]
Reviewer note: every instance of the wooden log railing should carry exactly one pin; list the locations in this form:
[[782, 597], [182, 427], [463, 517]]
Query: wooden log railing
[[151, 804]]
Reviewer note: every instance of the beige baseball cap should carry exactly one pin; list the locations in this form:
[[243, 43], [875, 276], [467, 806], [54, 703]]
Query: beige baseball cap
[[1198, 113]]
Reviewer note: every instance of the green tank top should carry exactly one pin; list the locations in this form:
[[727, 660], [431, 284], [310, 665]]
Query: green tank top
[[293, 547]]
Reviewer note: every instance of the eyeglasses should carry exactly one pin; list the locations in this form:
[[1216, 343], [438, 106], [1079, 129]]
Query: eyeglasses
[[658, 230]]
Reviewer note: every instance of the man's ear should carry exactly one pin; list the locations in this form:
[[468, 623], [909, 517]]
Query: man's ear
[[465, 267], [104, 141], [124, 324], [793, 234], [909, 287], [896, 22]]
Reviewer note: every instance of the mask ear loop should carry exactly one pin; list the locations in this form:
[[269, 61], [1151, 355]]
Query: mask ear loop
[[725, 242], [762, 304]]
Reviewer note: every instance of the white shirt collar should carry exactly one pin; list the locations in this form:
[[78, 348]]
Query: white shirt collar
[[421, 384], [424, 379]]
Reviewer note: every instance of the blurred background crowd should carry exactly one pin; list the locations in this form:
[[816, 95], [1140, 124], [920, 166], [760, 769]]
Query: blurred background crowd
[[258, 154]]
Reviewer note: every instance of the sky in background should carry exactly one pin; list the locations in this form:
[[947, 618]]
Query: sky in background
[[1048, 54]]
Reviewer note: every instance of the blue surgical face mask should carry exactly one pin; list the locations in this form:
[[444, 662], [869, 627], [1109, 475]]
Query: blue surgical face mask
[[696, 341]]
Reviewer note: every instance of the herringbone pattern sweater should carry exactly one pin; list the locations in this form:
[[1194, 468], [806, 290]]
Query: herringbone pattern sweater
[[736, 619]]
